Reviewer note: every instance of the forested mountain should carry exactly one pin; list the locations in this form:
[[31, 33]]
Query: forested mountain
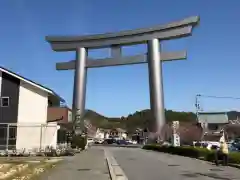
[[140, 119], [189, 129]]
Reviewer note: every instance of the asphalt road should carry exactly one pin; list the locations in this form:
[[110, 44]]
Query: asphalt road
[[140, 164], [116, 145]]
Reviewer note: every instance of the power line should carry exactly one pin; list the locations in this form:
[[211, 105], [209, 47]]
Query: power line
[[218, 97], [198, 96]]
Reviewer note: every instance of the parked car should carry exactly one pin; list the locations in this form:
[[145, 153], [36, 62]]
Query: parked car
[[235, 144], [122, 142], [233, 148], [131, 142], [109, 141], [98, 141], [212, 146]]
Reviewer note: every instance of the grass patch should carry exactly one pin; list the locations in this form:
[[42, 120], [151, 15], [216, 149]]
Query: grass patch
[[25, 170]]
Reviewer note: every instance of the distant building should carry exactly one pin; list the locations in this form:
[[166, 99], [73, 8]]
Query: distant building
[[213, 121], [102, 133], [59, 112], [63, 117], [107, 133], [118, 132]]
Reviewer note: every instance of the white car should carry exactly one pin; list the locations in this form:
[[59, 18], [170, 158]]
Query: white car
[[131, 142], [134, 142], [98, 141], [90, 141]]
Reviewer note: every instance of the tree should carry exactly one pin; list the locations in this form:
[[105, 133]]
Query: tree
[[189, 132]]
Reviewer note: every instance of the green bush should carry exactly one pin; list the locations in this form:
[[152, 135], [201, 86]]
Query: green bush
[[193, 152], [234, 157], [79, 141], [182, 151]]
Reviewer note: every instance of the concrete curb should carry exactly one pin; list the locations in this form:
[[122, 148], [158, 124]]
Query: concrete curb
[[115, 171], [229, 164], [234, 165]]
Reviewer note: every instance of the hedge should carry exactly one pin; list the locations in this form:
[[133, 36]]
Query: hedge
[[193, 152], [79, 141]]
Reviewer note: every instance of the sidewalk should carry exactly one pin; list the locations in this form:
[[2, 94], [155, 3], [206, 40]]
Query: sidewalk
[[88, 165]]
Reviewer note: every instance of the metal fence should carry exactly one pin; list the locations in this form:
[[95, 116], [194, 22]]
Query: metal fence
[[7, 136], [27, 136]]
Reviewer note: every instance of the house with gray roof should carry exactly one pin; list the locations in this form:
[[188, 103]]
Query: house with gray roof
[[215, 121]]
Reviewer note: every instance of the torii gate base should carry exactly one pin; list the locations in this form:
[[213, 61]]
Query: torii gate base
[[115, 41]]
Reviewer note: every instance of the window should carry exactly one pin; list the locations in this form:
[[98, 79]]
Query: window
[[3, 135], [3, 131], [12, 132], [4, 101]]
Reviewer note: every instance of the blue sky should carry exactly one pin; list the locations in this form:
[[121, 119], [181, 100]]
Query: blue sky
[[212, 67]]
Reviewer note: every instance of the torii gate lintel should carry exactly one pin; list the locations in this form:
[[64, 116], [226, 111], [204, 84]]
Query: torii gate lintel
[[118, 60]]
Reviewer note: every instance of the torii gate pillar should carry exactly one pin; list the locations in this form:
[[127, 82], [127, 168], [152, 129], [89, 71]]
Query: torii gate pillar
[[156, 84], [79, 87]]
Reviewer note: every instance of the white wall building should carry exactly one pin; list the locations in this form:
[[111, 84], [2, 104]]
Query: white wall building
[[23, 110], [117, 133], [101, 134]]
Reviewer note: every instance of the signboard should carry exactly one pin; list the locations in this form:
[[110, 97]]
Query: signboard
[[176, 140], [176, 136], [175, 126]]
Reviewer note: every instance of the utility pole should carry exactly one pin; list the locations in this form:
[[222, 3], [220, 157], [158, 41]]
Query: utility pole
[[197, 105]]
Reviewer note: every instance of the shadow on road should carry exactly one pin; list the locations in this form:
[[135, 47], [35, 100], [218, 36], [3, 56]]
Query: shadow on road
[[210, 175]]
